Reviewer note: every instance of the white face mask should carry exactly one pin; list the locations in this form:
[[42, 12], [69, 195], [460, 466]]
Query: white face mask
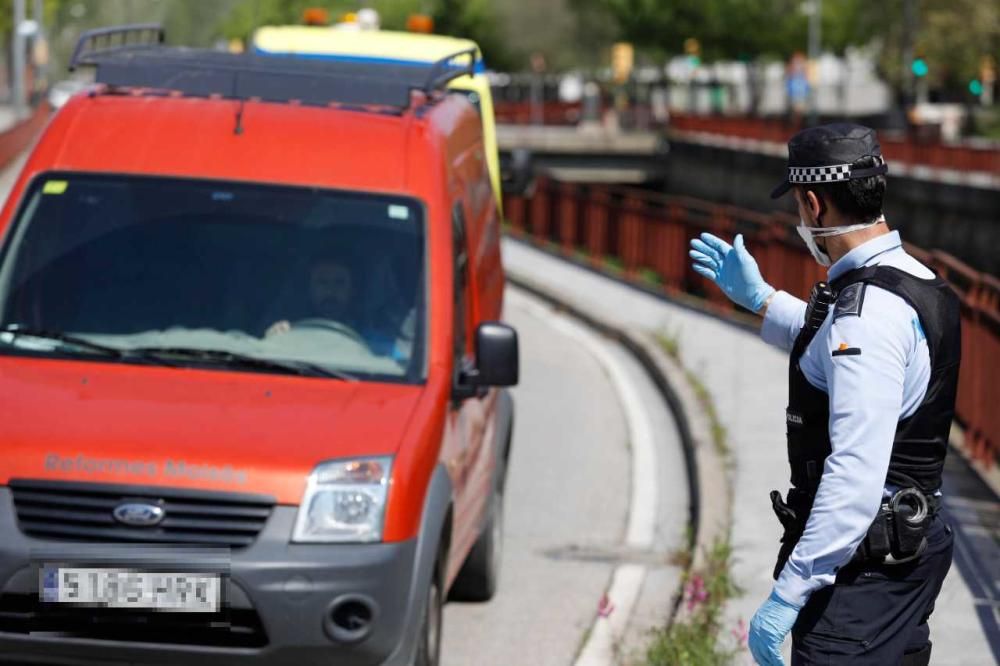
[[810, 234]]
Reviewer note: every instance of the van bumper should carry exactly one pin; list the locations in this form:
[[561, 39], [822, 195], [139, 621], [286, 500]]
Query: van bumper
[[282, 594]]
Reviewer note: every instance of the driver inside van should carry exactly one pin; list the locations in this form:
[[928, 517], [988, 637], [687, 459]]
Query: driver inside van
[[333, 298]]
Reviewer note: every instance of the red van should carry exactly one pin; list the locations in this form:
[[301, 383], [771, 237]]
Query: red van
[[249, 364]]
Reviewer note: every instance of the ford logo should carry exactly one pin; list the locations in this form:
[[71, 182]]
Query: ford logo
[[138, 514]]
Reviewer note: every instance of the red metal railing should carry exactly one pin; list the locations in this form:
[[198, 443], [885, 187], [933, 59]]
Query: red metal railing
[[549, 113], [643, 237]]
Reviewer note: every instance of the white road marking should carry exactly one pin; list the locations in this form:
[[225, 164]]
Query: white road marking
[[626, 581]]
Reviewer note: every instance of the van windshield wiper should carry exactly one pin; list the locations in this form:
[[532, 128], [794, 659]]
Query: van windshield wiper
[[18, 330], [235, 359]]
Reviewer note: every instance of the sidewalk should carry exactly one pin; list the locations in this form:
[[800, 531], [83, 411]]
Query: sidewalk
[[747, 380]]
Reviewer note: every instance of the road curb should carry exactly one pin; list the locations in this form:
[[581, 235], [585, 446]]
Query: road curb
[[709, 485]]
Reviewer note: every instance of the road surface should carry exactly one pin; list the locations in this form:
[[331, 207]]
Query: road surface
[[568, 503]]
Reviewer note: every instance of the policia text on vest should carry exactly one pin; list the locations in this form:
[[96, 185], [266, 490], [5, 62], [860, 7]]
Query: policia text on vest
[[873, 372]]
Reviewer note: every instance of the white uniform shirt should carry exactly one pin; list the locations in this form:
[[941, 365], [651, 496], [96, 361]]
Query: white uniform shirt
[[870, 392]]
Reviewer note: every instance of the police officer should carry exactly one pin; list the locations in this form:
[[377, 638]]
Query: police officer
[[873, 374]]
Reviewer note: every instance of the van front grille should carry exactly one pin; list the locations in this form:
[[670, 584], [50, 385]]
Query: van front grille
[[24, 613], [85, 512]]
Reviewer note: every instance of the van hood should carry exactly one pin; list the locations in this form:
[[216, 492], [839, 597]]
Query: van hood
[[193, 428]]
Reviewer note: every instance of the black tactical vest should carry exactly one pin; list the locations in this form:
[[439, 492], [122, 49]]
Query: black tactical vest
[[921, 440]]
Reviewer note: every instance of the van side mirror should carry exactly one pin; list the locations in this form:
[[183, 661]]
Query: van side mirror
[[496, 355], [496, 361]]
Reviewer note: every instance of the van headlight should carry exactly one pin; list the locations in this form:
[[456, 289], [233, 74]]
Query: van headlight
[[344, 502]]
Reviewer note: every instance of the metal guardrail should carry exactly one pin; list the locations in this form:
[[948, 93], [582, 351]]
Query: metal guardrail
[[643, 237], [549, 113]]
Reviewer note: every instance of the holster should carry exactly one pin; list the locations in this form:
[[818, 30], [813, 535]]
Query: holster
[[878, 541], [792, 514]]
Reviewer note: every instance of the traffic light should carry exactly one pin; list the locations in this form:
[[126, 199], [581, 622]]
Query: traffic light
[[919, 67], [976, 87]]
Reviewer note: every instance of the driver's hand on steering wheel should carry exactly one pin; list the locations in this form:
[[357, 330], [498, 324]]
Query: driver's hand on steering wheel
[[277, 328]]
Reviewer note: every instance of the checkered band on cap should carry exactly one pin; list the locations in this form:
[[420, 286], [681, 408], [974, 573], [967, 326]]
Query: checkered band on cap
[[820, 174]]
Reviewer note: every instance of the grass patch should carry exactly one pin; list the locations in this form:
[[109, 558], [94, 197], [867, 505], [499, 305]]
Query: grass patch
[[697, 636], [705, 399], [670, 343], [683, 557], [650, 277], [696, 639], [614, 265]]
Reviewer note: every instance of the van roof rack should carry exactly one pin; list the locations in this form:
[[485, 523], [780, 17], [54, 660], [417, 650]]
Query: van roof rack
[[135, 56]]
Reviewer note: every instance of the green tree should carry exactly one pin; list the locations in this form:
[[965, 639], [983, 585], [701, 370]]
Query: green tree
[[952, 35], [732, 29], [476, 20], [248, 14]]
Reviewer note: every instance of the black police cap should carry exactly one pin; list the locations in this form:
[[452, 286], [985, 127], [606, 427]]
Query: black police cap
[[825, 154]]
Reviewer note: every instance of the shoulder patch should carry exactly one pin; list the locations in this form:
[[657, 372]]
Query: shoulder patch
[[850, 300]]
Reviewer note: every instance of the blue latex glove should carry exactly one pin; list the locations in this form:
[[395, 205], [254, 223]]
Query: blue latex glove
[[768, 628], [732, 268]]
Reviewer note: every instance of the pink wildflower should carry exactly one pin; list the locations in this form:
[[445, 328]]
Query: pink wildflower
[[740, 634], [696, 592], [605, 606]]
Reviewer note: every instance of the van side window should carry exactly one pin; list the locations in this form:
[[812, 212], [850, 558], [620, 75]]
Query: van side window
[[460, 253]]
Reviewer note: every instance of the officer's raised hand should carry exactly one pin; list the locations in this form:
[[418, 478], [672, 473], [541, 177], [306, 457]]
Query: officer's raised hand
[[732, 268]]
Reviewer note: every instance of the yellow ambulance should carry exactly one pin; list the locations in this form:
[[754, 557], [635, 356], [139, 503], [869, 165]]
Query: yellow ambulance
[[395, 48]]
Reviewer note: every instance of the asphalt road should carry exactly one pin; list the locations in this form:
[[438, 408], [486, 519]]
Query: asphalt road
[[567, 504], [567, 485]]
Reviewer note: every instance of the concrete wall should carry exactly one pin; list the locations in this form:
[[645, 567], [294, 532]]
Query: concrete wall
[[961, 220]]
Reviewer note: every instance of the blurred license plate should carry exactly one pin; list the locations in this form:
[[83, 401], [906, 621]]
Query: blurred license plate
[[122, 588]]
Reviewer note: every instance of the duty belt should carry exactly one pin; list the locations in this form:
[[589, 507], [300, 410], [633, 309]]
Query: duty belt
[[898, 534]]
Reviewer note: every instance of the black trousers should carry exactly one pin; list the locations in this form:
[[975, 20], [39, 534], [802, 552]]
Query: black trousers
[[874, 613]]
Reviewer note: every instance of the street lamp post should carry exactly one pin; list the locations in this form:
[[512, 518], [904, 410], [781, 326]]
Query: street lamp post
[[910, 76], [17, 97], [815, 10]]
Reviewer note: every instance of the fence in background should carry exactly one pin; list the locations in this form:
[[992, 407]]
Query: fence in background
[[643, 237], [912, 150]]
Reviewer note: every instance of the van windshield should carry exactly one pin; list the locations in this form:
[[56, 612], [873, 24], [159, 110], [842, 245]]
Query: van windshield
[[199, 273]]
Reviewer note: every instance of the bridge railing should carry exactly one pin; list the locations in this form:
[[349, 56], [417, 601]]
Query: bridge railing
[[642, 237], [899, 148]]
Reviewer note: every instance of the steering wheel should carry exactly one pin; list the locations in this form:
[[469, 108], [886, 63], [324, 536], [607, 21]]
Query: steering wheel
[[329, 325]]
